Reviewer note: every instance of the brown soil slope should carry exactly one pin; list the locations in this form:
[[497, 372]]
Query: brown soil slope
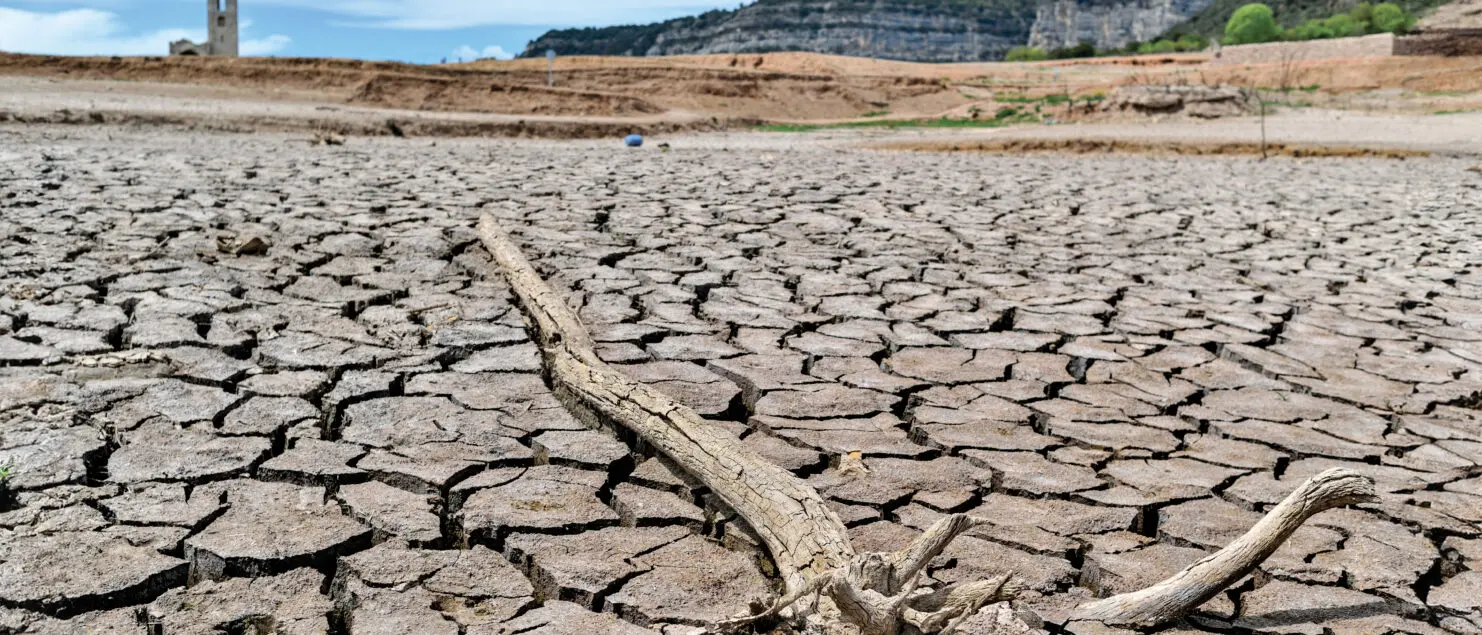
[[585, 87], [718, 89]]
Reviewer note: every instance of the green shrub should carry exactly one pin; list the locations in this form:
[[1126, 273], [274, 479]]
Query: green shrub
[[1084, 49], [1026, 54], [1185, 43], [1254, 23], [1191, 42], [1343, 25], [1390, 18], [1309, 30], [1251, 24]]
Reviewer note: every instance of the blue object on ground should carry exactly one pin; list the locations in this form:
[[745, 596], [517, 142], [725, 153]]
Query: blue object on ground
[[633, 140]]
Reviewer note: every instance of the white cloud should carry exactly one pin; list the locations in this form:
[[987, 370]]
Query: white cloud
[[265, 46], [456, 14], [94, 32], [78, 32], [468, 53]]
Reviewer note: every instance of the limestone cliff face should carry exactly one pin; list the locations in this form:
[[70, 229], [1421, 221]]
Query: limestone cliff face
[[1108, 23], [916, 30], [885, 29]]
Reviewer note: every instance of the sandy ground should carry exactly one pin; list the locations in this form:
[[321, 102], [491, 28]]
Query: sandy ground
[[681, 91], [1447, 134], [150, 103]]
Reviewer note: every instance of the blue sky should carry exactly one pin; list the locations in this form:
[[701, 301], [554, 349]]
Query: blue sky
[[406, 30]]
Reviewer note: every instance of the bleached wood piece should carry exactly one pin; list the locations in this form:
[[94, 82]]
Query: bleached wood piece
[[803, 535], [1187, 589]]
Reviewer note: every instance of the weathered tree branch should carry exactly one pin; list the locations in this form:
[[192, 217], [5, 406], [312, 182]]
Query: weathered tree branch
[[804, 537], [869, 593], [1189, 588]]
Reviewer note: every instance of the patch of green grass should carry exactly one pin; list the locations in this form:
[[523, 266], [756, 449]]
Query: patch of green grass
[[875, 113], [1310, 89], [1047, 100], [1458, 111], [6, 496], [1017, 99]]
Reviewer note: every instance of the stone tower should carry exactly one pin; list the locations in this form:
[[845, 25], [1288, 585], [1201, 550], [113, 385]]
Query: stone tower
[[223, 27]]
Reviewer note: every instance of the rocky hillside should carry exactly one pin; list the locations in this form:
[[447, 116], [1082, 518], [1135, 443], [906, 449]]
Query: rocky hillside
[[913, 30], [1108, 23], [926, 30], [916, 30], [1463, 14]]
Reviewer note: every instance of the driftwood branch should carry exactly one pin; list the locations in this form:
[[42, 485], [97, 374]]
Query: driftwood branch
[[804, 537], [860, 593], [870, 593], [1187, 589]]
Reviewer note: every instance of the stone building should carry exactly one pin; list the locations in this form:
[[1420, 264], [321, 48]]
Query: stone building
[[221, 26]]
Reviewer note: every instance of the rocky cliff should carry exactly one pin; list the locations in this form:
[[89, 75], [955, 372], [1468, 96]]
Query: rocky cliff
[[915, 30], [1110, 24]]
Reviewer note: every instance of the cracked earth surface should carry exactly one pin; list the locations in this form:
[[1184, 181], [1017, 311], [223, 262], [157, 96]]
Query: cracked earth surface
[[1121, 362]]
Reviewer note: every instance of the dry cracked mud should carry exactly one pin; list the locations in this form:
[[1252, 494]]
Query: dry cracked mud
[[1120, 361]]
